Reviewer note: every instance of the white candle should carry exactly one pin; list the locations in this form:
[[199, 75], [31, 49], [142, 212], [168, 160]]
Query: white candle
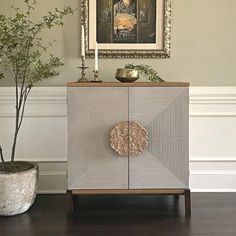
[[82, 41], [96, 56]]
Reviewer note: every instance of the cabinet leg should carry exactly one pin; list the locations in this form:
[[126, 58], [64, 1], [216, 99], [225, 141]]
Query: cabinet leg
[[187, 196], [71, 201], [75, 202]]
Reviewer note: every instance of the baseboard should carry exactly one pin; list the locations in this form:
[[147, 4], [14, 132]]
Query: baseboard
[[53, 177], [213, 190], [51, 192]]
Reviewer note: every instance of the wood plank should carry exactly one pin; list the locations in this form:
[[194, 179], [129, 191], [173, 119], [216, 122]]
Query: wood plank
[[213, 214], [135, 84], [128, 191]]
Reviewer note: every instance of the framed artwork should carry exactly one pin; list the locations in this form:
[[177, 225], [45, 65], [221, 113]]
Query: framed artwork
[[127, 28]]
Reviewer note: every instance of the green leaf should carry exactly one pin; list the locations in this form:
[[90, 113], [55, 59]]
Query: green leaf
[[147, 71], [25, 56]]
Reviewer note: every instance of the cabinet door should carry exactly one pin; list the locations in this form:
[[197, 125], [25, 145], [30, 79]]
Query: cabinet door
[[164, 112], [93, 112]]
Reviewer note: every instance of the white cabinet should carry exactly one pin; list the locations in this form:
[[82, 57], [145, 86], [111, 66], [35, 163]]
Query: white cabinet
[[95, 109]]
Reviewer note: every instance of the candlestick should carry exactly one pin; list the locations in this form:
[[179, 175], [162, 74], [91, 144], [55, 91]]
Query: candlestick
[[83, 74], [82, 41], [96, 57], [96, 76]]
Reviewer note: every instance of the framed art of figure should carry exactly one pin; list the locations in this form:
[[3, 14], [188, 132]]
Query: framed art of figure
[[127, 28]]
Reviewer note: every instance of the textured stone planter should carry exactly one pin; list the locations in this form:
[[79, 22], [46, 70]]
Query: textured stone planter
[[18, 190]]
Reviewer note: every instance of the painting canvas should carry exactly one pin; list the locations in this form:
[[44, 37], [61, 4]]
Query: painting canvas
[[126, 21], [127, 28]]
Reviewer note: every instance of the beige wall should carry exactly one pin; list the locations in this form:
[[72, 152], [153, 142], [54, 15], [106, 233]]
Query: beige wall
[[203, 44]]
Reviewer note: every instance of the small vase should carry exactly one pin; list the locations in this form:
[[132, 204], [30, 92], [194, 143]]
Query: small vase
[[127, 75]]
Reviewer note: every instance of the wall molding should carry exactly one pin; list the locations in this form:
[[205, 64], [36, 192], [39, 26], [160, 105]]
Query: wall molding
[[53, 173], [212, 109], [34, 115], [213, 114], [57, 95], [212, 95], [213, 159], [45, 94]]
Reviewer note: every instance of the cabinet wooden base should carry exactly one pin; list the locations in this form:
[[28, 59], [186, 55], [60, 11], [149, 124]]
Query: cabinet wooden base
[[176, 192]]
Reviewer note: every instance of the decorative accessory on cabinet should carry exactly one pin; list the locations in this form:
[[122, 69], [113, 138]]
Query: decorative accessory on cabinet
[[127, 75], [83, 67], [129, 138], [96, 76], [147, 71], [83, 74], [96, 71]]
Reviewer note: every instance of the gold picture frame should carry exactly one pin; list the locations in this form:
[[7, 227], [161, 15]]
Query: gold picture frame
[[158, 49]]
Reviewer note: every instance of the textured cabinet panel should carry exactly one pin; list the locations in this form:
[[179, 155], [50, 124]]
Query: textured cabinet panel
[[93, 112], [165, 113]]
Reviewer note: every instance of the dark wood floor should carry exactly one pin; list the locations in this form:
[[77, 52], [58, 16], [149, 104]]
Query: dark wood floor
[[212, 214]]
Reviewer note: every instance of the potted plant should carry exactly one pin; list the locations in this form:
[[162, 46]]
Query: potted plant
[[146, 71], [25, 59]]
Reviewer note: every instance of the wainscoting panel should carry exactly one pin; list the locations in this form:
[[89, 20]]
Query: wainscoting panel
[[44, 134]]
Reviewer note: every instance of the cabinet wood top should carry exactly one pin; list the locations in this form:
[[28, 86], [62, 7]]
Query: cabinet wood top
[[134, 84]]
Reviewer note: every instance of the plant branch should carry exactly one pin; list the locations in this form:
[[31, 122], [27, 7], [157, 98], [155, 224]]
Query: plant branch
[[17, 95], [7, 68], [19, 118], [22, 95], [26, 93], [1, 154], [24, 54], [2, 158], [147, 71], [16, 132]]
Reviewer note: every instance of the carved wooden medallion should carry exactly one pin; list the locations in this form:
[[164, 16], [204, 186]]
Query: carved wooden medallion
[[129, 138]]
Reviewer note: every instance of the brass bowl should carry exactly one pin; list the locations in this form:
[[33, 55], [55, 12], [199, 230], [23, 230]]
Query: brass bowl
[[127, 75]]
